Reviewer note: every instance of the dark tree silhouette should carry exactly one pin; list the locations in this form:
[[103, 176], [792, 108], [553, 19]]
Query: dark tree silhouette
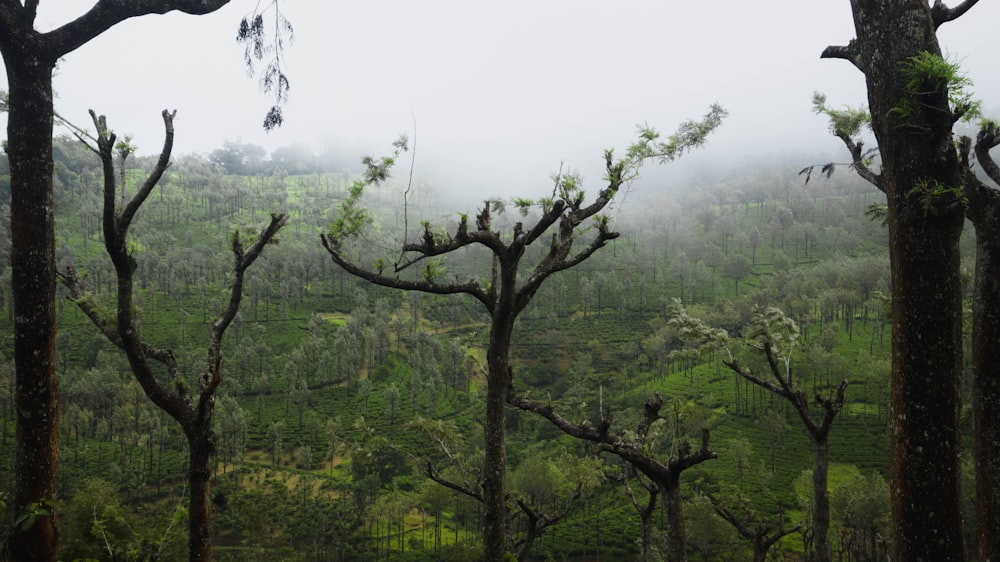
[[502, 293], [913, 106], [193, 414]]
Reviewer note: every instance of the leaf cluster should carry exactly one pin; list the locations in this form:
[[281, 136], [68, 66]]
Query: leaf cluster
[[927, 74], [930, 193], [258, 46], [770, 326], [849, 121], [700, 338], [352, 216], [689, 135]]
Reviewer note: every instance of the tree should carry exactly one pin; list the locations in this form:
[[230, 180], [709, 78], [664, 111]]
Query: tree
[[861, 505], [736, 267], [637, 448], [543, 492], [708, 534], [914, 99], [774, 335], [194, 416], [500, 292], [29, 60], [761, 534]]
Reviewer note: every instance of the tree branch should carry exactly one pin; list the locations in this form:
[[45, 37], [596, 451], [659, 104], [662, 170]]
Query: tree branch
[[629, 451], [987, 139], [847, 52], [942, 14], [858, 162], [154, 177], [539, 521], [107, 13], [470, 287], [432, 472]]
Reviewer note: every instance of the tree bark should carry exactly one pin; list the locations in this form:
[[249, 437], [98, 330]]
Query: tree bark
[[673, 504], [984, 213], [821, 499], [29, 150], [494, 485], [200, 509], [924, 228]]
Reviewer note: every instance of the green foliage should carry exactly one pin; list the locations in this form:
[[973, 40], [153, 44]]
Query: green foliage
[[624, 360], [931, 193], [848, 122], [352, 217], [930, 74], [31, 513], [769, 325], [690, 134], [878, 212], [523, 205]]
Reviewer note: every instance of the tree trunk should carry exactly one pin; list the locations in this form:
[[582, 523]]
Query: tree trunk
[[29, 150], [494, 488], [200, 509], [673, 504], [924, 229], [986, 380], [821, 500], [646, 522]]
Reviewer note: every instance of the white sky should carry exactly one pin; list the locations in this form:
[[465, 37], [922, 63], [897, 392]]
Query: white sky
[[502, 91]]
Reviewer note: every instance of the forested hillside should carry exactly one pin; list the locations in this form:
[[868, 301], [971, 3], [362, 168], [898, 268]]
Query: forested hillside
[[341, 403]]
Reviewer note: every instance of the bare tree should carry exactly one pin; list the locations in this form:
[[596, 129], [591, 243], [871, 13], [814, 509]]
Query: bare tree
[[170, 393], [502, 294]]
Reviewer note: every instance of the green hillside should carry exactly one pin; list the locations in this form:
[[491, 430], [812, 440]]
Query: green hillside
[[336, 394]]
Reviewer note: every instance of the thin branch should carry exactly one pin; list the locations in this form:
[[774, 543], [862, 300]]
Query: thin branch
[[629, 451], [470, 287]]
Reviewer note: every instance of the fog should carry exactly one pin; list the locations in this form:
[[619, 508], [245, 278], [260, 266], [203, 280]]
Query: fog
[[498, 95]]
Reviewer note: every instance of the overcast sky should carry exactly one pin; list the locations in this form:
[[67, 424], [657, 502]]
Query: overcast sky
[[502, 92]]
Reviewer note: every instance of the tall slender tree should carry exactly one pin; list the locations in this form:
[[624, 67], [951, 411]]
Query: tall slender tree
[[511, 283], [912, 114], [195, 415]]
